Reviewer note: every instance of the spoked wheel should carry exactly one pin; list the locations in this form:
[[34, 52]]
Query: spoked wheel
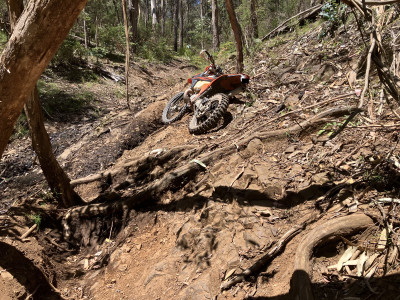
[[175, 109], [214, 111]]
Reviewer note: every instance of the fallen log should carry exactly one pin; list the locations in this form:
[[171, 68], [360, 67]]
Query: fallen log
[[286, 26], [300, 284]]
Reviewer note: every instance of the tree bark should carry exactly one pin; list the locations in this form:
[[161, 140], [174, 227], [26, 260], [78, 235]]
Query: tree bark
[[38, 34], [214, 22], [127, 52], [202, 22], [56, 178], [162, 23], [176, 23], [237, 31], [254, 21], [58, 181], [180, 38], [15, 9], [133, 12], [153, 14]]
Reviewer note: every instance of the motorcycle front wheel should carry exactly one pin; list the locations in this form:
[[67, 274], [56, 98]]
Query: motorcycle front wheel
[[175, 109], [217, 106]]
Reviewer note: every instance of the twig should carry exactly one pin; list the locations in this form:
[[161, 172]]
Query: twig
[[366, 84], [350, 154], [237, 177], [29, 296], [28, 232], [259, 264], [341, 128], [307, 107]]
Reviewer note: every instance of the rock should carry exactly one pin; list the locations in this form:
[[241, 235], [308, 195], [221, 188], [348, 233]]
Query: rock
[[321, 178], [6, 275], [290, 149], [254, 147], [123, 267]]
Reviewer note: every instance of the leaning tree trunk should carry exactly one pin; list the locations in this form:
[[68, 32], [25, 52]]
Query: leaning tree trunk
[[214, 22], [58, 181], [38, 34], [237, 31], [56, 178]]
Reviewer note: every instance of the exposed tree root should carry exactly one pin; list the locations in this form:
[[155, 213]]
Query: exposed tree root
[[300, 285], [270, 255], [176, 171]]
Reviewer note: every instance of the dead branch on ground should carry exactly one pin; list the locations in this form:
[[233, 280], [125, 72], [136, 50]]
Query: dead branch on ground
[[285, 26]]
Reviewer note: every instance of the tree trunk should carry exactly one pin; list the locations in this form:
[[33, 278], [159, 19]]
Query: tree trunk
[[117, 11], [214, 22], [153, 14], [15, 8], [127, 52], [56, 178], [175, 22], [133, 11], [180, 38], [237, 31], [58, 181], [85, 29], [163, 3], [254, 22], [146, 12], [38, 34], [202, 22]]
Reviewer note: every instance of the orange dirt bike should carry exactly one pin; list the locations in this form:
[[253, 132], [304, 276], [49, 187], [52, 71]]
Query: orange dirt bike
[[208, 97]]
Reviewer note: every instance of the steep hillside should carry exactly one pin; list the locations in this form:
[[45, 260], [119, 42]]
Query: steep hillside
[[285, 186]]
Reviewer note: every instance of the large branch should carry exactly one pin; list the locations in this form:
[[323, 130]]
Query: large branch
[[308, 13], [38, 34]]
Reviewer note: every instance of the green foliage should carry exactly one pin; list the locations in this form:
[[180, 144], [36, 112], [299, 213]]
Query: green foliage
[[155, 51], [3, 40], [112, 38], [37, 219], [333, 14], [21, 128], [70, 52], [55, 100]]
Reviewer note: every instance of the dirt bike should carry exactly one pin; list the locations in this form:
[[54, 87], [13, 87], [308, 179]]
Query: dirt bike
[[208, 97]]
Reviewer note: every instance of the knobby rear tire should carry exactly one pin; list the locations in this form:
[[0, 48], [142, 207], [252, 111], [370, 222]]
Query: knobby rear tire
[[177, 99], [214, 117]]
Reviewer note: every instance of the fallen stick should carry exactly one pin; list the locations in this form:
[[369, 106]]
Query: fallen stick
[[28, 232], [308, 13], [309, 106]]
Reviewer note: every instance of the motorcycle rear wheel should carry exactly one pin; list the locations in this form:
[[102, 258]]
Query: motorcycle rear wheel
[[218, 106], [175, 109]]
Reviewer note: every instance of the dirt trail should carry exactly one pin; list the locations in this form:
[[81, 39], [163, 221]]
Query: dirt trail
[[187, 242]]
